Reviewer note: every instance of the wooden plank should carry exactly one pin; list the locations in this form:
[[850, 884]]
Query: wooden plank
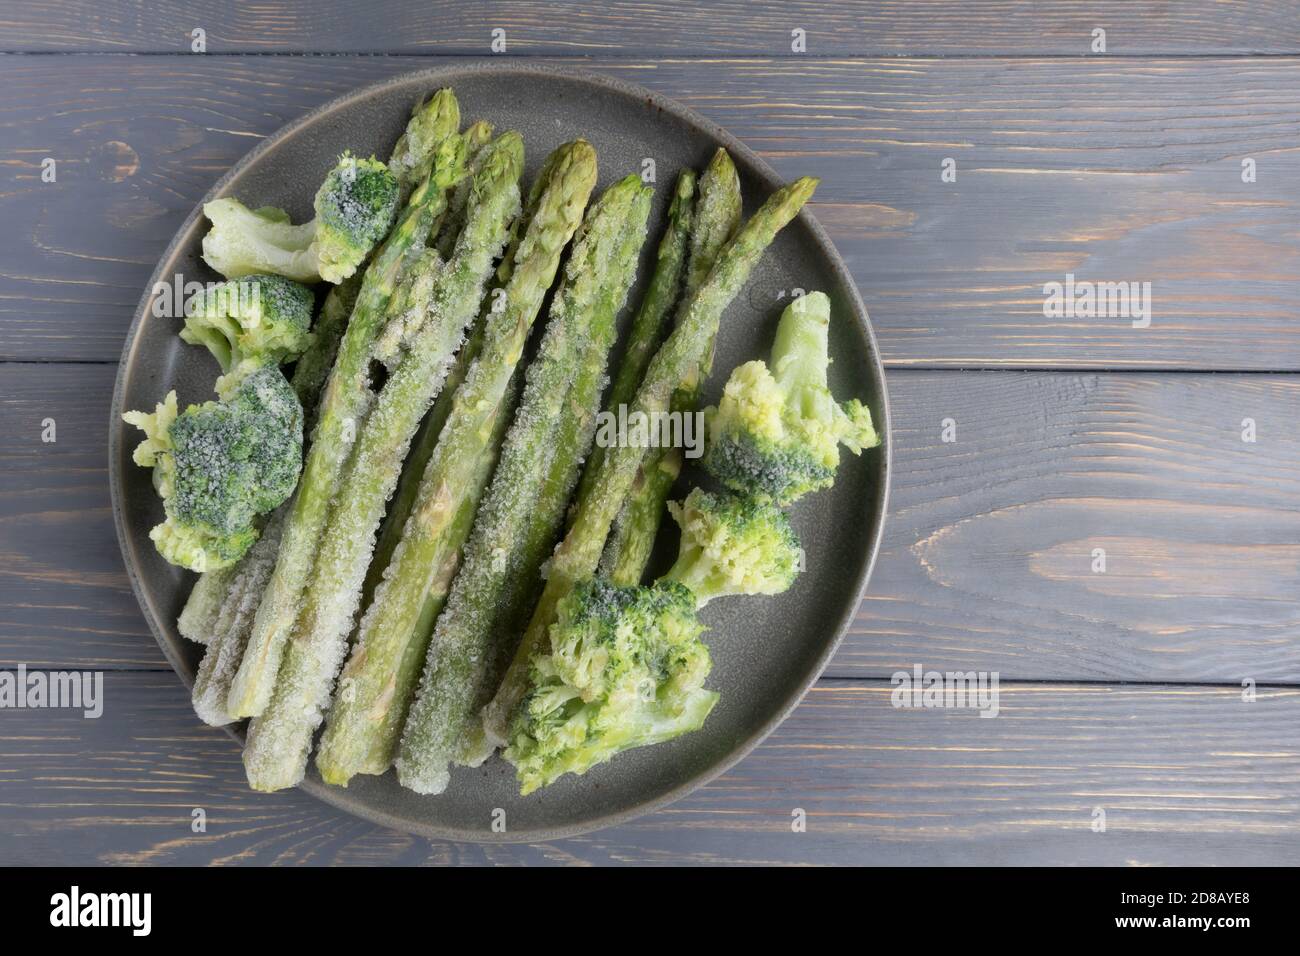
[[1184, 775], [989, 549], [64, 592], [1122, 170], [669, 27], [987, 563]]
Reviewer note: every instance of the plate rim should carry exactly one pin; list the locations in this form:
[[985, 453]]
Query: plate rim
[[337, 797]]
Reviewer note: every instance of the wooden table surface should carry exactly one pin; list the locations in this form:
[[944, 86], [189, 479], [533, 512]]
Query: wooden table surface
[[1164, 691]]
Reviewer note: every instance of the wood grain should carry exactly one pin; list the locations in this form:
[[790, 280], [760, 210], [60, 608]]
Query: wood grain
[[64, 593], [987, 562], [1122, 170], [1184, 775], [988, 557], [672, 27]]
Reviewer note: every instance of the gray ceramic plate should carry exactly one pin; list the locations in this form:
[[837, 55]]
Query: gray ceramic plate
[[766, 651]]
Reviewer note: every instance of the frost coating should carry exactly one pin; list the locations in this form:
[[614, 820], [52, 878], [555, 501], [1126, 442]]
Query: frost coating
[[342, 411], [247, 323], [524, 508], [354, 206], [431, 122], [578, 555], [219, 465], [776, 432], [280, 739], [623, 668], [363, 729], [717, 216], [233, 625]]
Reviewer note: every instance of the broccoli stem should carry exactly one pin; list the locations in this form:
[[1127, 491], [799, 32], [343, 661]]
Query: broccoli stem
[[578, 554], [800, 351], [369, 716], [524, 509], [343, 407], [279, 740], [633, 537]]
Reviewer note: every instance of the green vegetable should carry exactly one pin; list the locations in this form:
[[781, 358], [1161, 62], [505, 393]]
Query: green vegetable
[[625, 669], [219, 465], [408, 485], [279, 740], [343, 408], [623, 666], [432, 122], [627, 552], [390, 649], [248, 323], [477, 136], [776, 432], [208, 597], [312, 369], [524, 508], [649, 325], [354, 210], [231, 626], [203, 606], [577, 556], [733, 545], [417, 459]]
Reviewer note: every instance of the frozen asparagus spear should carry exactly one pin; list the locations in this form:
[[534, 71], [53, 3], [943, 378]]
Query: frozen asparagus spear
[[578, 555], [650, 325], [203, 606], [230, 633], [522, 514], [279, 740], [431, 122], [425, 439], [343, 409], [627, 552], [478, 135], [389, 628], [408, 485], [572, 440]]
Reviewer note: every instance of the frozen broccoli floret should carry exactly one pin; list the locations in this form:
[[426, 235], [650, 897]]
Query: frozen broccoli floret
[[355, 208], [625, 669], [775, 435], [248, 323], [624, 666], [219, 465], [733, 545]]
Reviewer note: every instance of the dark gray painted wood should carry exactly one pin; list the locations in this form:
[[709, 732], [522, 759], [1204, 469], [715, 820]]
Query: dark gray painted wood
[[667, 27], [987, 562], [1123, 170], [1184, 775], [1122, 167]]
